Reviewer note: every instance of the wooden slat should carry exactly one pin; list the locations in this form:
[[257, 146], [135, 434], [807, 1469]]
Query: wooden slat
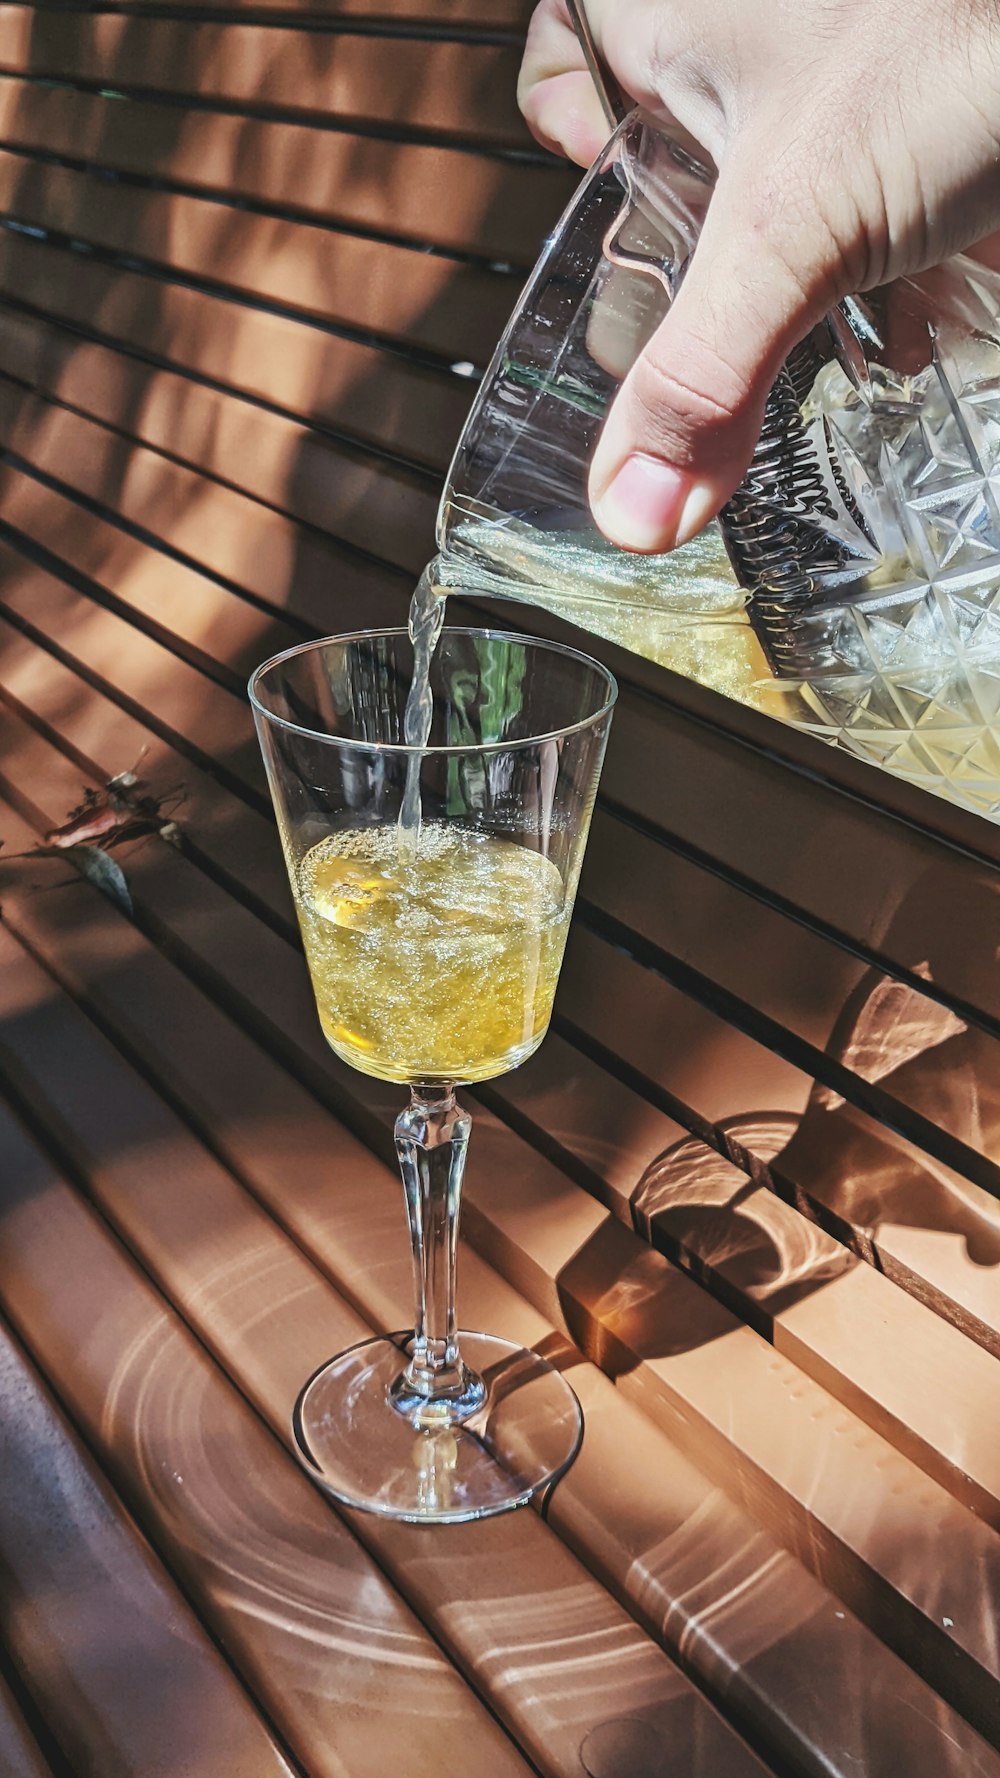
[[96, 556], [216, 1254], [875, 1031], [127, 1679], [913, 901], [206, 726], [149, 584], [771, 1429], [817, 1306], [776, 1268], [314, 478], [91, 728], [387, 400], [707, 923], [20, 1756], [778, 1594], [472, 205], [463, 88], [911, 1214], [470, 17], [608, 1136], [433, 303], [309, 585], [765, 1436], [225, 531], [228, 531]]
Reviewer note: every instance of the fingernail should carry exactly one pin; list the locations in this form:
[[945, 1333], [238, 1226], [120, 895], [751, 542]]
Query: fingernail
[[643, 506], [700, 506]]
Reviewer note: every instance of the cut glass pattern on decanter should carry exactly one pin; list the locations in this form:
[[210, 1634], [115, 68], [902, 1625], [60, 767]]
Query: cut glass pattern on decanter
[[893, 649]]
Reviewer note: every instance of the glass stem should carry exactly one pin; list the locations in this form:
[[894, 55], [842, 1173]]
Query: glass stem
[[432, 1136]]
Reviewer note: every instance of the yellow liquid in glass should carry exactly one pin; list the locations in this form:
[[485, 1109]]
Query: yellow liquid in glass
[[440, 965]]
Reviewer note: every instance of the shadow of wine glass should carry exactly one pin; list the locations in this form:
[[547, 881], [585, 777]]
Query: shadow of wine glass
[[724, 1227]]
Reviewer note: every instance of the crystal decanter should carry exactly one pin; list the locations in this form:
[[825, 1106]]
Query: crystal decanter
[[852, 584]]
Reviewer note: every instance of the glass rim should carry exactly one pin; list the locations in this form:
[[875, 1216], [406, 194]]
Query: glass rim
[[406, 748]]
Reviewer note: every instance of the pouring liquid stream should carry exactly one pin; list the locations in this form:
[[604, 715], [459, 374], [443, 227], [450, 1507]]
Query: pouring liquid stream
[[425, 623]]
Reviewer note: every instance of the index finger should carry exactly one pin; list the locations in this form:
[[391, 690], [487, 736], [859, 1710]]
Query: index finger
[[555, 91]]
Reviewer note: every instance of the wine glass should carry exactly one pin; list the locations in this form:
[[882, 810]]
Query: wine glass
[[434, 951]]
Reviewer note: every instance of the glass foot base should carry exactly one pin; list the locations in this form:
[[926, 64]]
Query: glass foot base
[[368, 1455]]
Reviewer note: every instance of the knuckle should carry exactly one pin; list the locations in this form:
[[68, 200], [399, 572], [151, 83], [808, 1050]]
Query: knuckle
[[675, 408]]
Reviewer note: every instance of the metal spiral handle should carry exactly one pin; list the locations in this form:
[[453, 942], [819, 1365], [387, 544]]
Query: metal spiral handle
[[772, 527]]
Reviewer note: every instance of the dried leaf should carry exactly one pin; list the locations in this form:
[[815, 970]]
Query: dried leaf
[[101, 870], [124, 810], [89, 823]]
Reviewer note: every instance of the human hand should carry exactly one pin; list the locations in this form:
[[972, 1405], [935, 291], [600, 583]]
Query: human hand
[[855, 141]]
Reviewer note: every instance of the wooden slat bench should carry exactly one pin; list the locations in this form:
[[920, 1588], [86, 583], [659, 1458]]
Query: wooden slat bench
[[252, 258]]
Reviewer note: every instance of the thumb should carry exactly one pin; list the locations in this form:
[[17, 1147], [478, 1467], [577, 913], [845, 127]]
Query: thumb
[[680, 435]]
